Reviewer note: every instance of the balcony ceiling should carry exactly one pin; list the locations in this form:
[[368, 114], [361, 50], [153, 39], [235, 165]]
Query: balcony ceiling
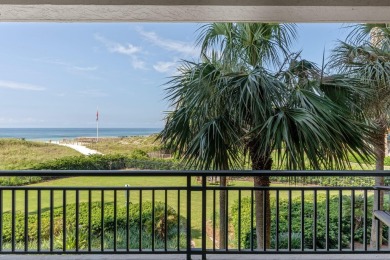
[[196, 11]]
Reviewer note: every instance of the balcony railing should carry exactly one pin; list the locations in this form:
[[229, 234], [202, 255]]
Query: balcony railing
[[185, 217]]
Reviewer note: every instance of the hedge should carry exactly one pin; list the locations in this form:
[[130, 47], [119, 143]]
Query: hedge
[[94, 162], [96, 226], [308, 221]]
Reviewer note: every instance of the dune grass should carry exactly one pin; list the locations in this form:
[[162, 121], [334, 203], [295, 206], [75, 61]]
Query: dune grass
[[126, 145], [18, 154]]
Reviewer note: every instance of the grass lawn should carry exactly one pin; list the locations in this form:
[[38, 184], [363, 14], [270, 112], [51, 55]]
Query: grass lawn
[[18, 154]]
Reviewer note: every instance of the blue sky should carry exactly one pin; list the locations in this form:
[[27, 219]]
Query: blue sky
[[57, 74]]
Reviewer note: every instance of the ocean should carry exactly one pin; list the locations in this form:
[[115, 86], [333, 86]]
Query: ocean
[[71, 133]]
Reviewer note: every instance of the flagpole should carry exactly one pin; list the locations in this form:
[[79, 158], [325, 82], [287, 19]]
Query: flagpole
[[97, 124]]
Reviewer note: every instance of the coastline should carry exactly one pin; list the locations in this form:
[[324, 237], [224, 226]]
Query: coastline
[[71, 134]]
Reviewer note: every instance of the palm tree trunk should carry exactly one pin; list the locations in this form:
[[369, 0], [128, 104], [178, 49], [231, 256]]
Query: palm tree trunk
[[262, 213], [222, 215], [262, 205], [379, 149]]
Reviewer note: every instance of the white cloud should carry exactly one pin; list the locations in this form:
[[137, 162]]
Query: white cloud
[[53, 61], [186, 48], [68, 65], [128, 49], [19, 86], [137, 63], [165, 66], [124, 49], [85, 68]]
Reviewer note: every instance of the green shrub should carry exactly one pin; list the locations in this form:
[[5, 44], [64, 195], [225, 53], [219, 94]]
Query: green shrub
[[308, 221], [326, 181], [139, 160], [97, 229], [92, 162], [139, 154], [108, 162]]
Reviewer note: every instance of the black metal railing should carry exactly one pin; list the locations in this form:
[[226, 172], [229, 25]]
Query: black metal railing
[[185, 217]]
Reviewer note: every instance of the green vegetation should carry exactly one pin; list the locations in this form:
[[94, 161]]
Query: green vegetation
[[93, 162], [18, 154], [308, 221], [326, 181], [126, 145], [148, 225]]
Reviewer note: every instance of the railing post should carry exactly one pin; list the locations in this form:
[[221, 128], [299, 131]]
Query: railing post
[[189, 244], [204, 234], [378, 223]]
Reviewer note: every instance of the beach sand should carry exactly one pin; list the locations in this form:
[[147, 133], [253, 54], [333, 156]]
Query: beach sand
[[76, 146]]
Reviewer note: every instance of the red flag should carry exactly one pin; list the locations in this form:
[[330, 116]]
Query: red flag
[[97, 115]]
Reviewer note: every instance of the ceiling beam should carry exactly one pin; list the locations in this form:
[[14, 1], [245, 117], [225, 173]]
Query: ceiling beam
[[370, 11]]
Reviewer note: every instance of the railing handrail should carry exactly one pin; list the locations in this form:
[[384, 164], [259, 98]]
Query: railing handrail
[[186, 173]]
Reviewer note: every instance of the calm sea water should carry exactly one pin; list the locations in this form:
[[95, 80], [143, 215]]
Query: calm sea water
[[71, 133]]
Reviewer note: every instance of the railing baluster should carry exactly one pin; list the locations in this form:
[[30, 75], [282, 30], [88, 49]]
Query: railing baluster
[[277, 221], [289, 219], [302, 220], [239, 220], [378, 223], [214, 209], [204, 234], [353, 220], [39, 220], [264, 221], [189, 217], [227, 221], [25, 220], [13, 231], [89, 220], [1, 220], [178, 220], [315, 221], [102, 220], [77, 220], [64, 220], [251, 238], [365, 221], [327, 222], [340, 222], [115, 224], [127, 219], [51, 220], [140, 221], [153, 224], [166, 221]]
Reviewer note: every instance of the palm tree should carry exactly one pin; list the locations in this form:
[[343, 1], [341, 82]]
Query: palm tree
[[200, 129], [242, 48], [368, 60], [253, 109], [252, 47]]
